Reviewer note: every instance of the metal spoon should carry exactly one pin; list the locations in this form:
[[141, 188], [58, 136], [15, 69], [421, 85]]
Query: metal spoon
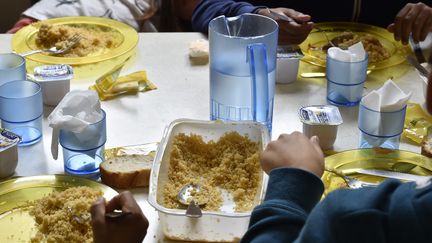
[[185, 197], [85, 217]]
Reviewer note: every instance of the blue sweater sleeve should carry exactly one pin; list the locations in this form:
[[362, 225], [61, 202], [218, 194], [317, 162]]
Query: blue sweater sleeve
[[393, 212], [291, 194], [206, 10]]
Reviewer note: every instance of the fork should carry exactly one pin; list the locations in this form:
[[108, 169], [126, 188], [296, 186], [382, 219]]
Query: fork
[[351, 182], [289, 19], [71, 42]]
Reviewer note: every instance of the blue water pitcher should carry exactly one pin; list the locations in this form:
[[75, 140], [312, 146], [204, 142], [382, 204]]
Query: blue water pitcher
[[242, 68]]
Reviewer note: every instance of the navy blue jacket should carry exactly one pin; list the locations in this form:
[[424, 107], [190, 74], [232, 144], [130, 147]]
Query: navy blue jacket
[[375, 12], [393, 212]]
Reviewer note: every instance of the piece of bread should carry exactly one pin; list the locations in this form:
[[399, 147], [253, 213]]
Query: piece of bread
[[426, 145], [127, 171]]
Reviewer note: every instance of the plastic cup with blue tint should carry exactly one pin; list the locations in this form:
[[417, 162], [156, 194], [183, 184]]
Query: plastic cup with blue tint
[[380, 129], [12, 67], [21, 110], [345, 81], [84, 151]]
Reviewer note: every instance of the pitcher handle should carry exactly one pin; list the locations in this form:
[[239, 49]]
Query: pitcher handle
[[257, 58]]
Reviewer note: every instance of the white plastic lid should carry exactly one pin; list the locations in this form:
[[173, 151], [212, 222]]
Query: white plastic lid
[[53, 72], [320, 115], [8, 139]]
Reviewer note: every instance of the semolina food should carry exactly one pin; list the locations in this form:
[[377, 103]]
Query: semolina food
[[55, 215], [230, 164], [94, 40], [374, 48]]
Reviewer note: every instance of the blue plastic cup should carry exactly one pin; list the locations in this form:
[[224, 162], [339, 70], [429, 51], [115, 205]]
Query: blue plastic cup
[[84, 151], [345, 81], [380, 129], [12, 67], [21, 110]]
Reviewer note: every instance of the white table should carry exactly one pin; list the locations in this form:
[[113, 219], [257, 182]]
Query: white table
[[183, 92]]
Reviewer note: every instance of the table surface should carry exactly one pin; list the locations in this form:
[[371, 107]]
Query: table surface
[[183, 92]]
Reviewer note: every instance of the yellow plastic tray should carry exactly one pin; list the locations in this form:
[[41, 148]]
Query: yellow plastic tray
[[16, 224]]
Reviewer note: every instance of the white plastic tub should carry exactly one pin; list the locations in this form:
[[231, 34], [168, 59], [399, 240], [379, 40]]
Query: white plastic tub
[[214, 226]]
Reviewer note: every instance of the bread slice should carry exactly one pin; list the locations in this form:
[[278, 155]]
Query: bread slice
[[426, 145], [127, 171]]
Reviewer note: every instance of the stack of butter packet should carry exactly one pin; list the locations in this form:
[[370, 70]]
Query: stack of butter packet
[[382, 116], [110, 85]]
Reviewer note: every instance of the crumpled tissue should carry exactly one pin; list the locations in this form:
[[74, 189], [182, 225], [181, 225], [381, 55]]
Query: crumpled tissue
[[75, 112]]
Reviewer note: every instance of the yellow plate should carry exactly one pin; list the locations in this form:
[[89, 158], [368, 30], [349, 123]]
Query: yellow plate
[[14, 193], [398, 52], [384, 159], [125, 35]]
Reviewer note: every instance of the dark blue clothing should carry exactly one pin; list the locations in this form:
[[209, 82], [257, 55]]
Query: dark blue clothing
[[393, 212], [375, 12]]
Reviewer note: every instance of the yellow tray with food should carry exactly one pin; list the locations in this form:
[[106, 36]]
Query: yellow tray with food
[[382, 49], [222, 160], [48, 208], [350, 161], [104, 43]]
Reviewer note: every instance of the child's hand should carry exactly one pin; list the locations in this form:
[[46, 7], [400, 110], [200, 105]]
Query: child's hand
[[128, 228], [295, 151]]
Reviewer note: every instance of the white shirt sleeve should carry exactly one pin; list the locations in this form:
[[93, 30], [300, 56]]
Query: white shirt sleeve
[[126, 11]]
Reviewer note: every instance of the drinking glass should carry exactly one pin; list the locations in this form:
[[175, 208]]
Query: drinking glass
[[21, 110], [380, 129], [345, 81], [12, 67], [84, 151]]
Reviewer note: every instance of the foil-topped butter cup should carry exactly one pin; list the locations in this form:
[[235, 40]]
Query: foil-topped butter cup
[[8, 152], [321, 121], [54, 80]]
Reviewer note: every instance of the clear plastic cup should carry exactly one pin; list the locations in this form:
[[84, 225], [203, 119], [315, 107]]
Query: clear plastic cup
[[21, 110], [345, 81], [12, 67], [83, 152], [380, 129]]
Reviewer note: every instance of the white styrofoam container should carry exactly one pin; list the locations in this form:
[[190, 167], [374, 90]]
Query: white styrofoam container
[[214, 226]]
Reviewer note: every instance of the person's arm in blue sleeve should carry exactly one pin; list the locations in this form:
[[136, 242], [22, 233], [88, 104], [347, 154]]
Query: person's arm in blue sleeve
[[206, 10], [393, 212], [291, 195], [294, 164], [290, 32]]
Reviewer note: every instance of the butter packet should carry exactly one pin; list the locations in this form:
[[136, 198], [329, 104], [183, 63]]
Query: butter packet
[[110, 85], [417, 123], [148, 149]]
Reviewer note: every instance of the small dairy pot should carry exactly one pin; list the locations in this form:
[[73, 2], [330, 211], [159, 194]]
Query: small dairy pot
[[288, 59], [321, 121], [55, 82], [8, 152]]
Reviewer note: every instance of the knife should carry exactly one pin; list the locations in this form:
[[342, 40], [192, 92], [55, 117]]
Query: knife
[[393, 174], [422, 70], [417, 50]]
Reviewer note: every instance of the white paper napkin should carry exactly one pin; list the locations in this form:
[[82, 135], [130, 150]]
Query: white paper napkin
[[75, 112], [355, 53], [388, 98]]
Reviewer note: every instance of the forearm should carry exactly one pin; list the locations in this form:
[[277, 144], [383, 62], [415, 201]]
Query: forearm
[[291, 195], [206, 10]]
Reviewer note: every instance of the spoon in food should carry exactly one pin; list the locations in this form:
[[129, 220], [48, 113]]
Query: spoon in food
[[186, 197]]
